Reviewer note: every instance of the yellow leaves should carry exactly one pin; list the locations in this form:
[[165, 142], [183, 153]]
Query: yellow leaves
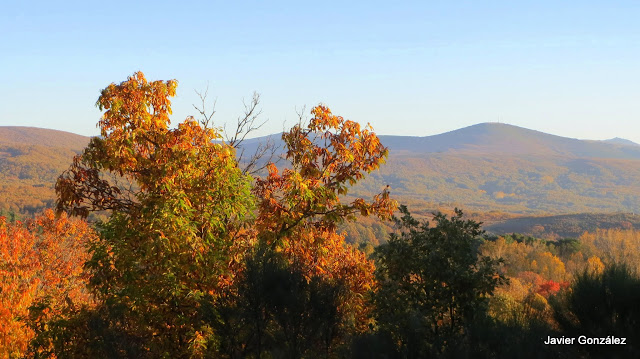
[[595, 265], [614, 245], [137, 144], [136, 105]]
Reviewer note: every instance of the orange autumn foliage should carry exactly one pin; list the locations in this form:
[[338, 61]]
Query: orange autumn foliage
[[177, 239], [300, 208], [40, 259], [176, 232], [140, 163]]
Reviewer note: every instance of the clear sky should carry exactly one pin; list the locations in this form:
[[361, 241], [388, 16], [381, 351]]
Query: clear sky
[[570, 68]]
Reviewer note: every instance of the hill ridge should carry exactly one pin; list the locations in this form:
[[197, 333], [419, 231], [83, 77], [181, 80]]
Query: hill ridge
[[467, 138], [27, 135], [480, 167], [491, 138]]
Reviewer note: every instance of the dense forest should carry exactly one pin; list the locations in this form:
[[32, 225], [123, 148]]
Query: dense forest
[[164, 244]]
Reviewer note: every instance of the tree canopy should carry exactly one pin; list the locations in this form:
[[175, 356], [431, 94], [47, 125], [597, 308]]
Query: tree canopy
[[183, 219], [433, 283]]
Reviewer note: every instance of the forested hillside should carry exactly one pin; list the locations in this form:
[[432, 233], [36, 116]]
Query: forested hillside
[[517, 184], [31, 159], [494, 166]]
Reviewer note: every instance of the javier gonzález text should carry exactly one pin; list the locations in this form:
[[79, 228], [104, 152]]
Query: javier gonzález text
[[583, 339]]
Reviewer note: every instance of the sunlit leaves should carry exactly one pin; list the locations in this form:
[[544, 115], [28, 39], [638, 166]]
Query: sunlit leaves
[[181, 216], [326, 157], [177, 201], [300, 207], [40, 260]]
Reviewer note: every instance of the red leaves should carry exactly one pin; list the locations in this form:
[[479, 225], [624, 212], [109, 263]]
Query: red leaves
[[550, 287]]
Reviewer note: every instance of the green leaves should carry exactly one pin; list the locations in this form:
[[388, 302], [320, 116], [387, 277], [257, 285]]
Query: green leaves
[[432, 281], [176, 228], [181, 224]]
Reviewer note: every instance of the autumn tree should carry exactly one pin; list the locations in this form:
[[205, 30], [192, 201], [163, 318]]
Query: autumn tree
[[184, 217], [614, 246], [299, 210], [175, 230], [41, 260]]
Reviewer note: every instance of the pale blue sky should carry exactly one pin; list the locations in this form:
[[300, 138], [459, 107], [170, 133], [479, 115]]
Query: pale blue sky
[[411, 68]]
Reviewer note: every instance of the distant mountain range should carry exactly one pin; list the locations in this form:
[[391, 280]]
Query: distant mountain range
[[497, 139], [485, 167], [502, 139], [496, 166]]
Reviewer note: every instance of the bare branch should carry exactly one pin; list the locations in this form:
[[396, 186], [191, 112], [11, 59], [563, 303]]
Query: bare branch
[[247, 122], [206, 117], [265, 152]]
